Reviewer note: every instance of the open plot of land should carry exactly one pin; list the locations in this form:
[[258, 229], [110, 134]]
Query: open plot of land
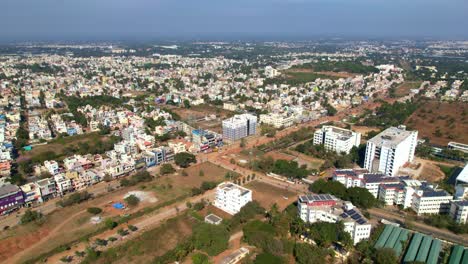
[[405, 88], [267, 195], [201, 111], [441, 122], [424, 170], [58, 145], [364, 130], [152, 243]]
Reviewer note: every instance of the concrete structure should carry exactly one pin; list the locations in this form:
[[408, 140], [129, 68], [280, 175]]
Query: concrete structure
[[459, 211], [430, 201], [231, 197], [362, 178], [277, 120], [11, 197], [327, 208], [239, 126], [458, 146], [213, 219], [390, 150], [337, 139]]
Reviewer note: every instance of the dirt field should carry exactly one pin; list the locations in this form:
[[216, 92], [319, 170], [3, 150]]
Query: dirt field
[[424, 170], [441, 122], [404, 88], [267, 195], [364, 130], [58, 146], [150, 244]]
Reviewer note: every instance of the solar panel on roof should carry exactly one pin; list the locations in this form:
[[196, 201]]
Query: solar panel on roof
[[361, 221], [344, 215], [356, 216], [350, 212]]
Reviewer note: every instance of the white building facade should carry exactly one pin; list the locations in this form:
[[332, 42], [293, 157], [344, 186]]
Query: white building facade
[[390, 150], [231, 197], [327, 208], [239, 126], [337, 139]]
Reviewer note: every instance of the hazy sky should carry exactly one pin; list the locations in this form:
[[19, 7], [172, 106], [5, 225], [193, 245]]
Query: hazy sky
[[159, 19]]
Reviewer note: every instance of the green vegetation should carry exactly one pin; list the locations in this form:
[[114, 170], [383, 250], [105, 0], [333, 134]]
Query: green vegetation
[[360, 197], [390, 114], [267, 258], [308, 254], [166, 169], [40, 68], [290, 169], [267, 130], [290, 139], [200, 258], [249, 211], [31, 216], [333, 159], [296, 78], [340, 66], [132, 200], [212, 239], [94, 210], [141, 176], [205, 186], [184, 159], [74, 198], [324, 234], [444, 221]]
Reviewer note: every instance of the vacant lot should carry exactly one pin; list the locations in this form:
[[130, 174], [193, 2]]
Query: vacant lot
[[152, 243], [404, 88], [201, 111], [267, 195], [441, 122], [58, 145]]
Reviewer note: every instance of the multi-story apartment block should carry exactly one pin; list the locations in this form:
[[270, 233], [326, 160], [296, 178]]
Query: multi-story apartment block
[[390, 150], [277, 120], [327, 208], [231, 197], [361, 178], [430, 201], [239, 126], [337, 139], [459, 211]]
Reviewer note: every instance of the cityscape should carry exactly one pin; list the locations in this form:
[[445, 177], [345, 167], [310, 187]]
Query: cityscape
[[263, 150]]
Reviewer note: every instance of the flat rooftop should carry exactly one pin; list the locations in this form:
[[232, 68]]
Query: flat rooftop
[[228, 186], [391, 137]]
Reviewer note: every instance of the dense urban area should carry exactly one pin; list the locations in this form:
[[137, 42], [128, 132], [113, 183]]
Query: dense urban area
[[329, 151]]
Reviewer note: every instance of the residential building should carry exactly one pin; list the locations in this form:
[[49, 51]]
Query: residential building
[[390, 150], [277, 120], [239, 126], [327, 208], [362, 178], [459, 211], [231, 197], [11, 197], [427, 200], [337, 139]]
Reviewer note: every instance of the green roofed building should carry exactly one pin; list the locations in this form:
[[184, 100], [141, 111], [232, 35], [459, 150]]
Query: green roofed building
[[384, 236], [465, 257], [413, 248], [402, 238], [456, 256], [393, 237], [424, 249], [434, 252]]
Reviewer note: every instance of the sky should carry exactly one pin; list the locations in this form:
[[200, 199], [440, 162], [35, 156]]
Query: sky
[[36, 20]]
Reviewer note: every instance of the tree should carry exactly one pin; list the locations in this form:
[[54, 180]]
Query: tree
[[110, 224], [200, 258], [30, 216], [184, 159], [308, 254], [187, 103], [242, 143], [212, 239], [385, 256], [166, 169], [201, 173], [132, 200], [267, 258], [94, 210]]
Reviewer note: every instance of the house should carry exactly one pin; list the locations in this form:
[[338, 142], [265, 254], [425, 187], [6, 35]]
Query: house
[[327, 208], [11, 196], [231, 197]]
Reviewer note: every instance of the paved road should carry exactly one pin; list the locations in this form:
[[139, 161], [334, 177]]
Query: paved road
[[380, 213]]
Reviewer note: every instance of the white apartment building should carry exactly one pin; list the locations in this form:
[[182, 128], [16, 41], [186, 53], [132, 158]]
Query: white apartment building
[[327, 208], [390, 150], [271, 72], [231, 197], [429, 201], [337, 139], [361, 178], [459, 211], [239, 126], [277, 120]]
